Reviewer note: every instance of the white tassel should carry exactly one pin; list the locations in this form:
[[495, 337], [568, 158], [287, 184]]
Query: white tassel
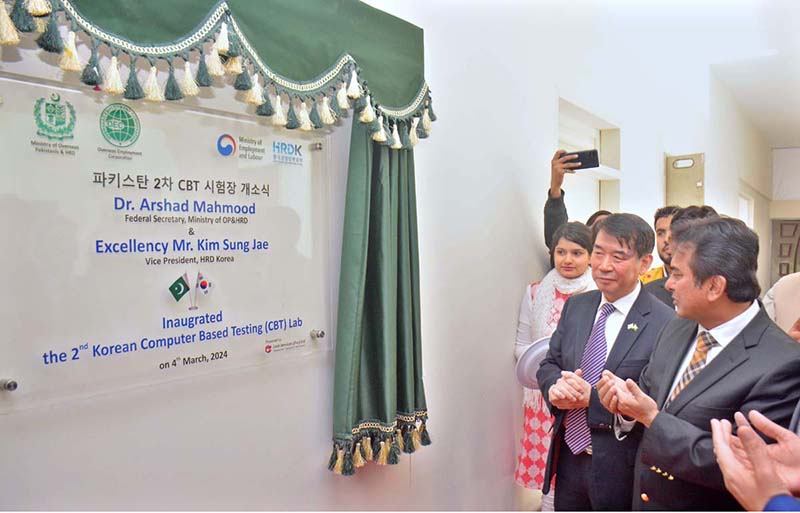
[[234, 66], [112, 81], [326, 114], [426, 121], [8, 32], [354, 90], [223, 45], [368, 114], [341, 97], [188, 84], [397, 144], [254, 95], [380, 135], [305, 120], [38, 7], [41, 24], [412, 135], [279, 118], [69, 59], [214, 63], [152, 92]]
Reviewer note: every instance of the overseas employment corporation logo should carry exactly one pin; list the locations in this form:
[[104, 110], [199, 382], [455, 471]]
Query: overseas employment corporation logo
[[226, 145], [120, 125], [54, 119]]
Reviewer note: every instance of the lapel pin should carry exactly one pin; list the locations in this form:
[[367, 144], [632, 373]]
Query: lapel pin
[[633, 327]]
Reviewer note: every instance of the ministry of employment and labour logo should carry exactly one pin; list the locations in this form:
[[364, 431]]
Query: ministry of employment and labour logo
[[54, 119], [120, 125], [226, 145]]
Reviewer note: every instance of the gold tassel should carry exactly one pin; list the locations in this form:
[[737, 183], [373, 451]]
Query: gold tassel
[[41, 24], [358, 460], [383, 455], [69, 59], [380, 135], [368, 114], [337, 469], [305, 119], [254, 95], [326, 115], [341, 97], [368, 448], [279, 118], [416, 436], [39, 7], [152, 91], [426, 121], [188, 85], [399, 436], [354, 89], [8, 32], [234, 66], [222, 42], [214, 63], [112, 82], [397, 144]]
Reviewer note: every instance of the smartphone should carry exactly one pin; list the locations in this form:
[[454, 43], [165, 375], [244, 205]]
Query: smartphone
[[587, 158]]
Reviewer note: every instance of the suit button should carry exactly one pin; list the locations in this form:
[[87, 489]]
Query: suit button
[[645, 497]]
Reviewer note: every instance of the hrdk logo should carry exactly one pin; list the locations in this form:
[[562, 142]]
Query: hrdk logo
[[287, 153], [226, 145], [55, 120], [120, 125]]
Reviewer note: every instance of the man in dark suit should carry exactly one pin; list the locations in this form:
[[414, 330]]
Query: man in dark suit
[[721, 355], [614, 328]]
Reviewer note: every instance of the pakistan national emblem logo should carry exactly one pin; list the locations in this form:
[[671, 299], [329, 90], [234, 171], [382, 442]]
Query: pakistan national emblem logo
[[54, 119], [120, 125]]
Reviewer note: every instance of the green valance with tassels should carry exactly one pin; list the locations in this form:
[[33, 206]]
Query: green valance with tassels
[[301, 63]]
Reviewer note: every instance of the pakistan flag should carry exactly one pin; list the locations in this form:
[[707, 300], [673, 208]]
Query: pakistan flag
[[180, 287]]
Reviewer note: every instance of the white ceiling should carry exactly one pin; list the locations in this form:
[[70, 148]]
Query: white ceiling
[[768, 90]]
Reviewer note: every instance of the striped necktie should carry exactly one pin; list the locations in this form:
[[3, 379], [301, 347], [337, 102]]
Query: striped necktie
[[578, 435], [704, 343]]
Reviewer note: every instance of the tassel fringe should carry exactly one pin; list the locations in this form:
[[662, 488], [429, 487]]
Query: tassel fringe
[[396, 143], [172, 91], [233, 66], [426, 121], [203, 78], [243, 82], [326, 114], [8, 32], [265, 109], [222, 42], [292, 123], [22, 18], [91, 73], [279, 118], [50, 40], [69, 59], [316, 122], [39, 7], [339, 465], [367, 447], [133, 89], [188, 84], [152, 91], [368, 114], [305, 119], [254, 96], [341, 98], [214, 63], [354, 89], [380, 135], [358, 458], [383, 454], [112, 79]]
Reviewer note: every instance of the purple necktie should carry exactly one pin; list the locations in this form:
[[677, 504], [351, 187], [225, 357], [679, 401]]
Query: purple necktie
[[578, 436]]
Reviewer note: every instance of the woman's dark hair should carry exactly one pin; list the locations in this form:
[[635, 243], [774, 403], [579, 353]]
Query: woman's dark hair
[[628, 229], [592, 218], [575, 232], [692, 212], [723, 246]]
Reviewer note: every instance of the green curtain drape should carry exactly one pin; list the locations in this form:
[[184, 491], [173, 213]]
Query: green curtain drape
[[379, 398]]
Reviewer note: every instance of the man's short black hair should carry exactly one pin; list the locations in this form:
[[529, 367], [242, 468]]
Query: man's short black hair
[[628, 229], [723, 246], [576, 232], [662, 212], [692, 212]]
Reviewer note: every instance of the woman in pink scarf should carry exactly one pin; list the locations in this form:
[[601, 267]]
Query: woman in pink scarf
[[539, 313]]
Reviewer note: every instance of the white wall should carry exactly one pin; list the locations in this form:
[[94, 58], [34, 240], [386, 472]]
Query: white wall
[[260, 440], [737, 149], [786, 174]]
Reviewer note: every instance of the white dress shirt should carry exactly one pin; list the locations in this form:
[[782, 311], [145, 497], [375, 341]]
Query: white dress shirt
[[615, 319], [723, 334]]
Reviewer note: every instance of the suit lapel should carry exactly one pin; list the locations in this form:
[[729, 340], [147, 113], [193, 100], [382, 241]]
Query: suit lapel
[[734, 354], [627, 337], [677, 346], [584, 328]]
